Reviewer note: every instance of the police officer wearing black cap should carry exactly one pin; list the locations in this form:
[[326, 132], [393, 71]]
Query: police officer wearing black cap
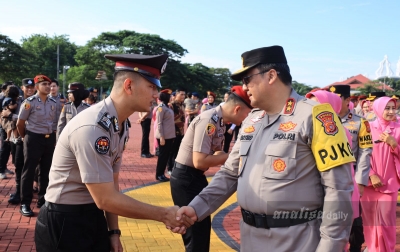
[[362, 149], [5, 145], [83, 200], [17, 147], [76, 95]]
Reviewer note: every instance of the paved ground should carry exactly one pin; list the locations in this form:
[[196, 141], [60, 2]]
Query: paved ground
[[136, 180]]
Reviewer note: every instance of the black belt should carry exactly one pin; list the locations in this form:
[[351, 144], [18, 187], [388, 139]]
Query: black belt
[[70, 208], [281, 220], [37, 134], [188, 168]]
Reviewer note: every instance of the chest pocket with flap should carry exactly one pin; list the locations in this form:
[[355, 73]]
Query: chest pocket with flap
[[280, 161]]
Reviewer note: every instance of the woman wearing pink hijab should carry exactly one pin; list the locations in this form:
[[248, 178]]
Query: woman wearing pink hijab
[[380, 196]]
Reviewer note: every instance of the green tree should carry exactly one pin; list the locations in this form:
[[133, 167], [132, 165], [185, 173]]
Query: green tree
[[301, 88], [44, 51], [14, 60], [369, 87]]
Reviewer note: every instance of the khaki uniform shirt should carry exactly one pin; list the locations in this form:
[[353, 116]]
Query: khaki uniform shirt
[[89, 150], [273, 168], [207, 106], [39, 115], [361, 145], [67, 113], [165, 122], [205, 134], [58, 109]]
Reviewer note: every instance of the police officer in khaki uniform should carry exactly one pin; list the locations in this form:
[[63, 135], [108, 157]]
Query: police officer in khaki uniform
[[54, 86], [290, 166], [211, 102], [201, 148], [71, 219], [76, 94], [372, 97], [165, 133], [36, 116], [362, 150]]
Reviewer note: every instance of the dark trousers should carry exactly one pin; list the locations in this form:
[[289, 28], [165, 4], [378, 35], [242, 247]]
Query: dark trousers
[[356, 238], [17, 150], [187, 183], [5, 150], [228, 138], [174, 152], [146, 124], [165, 152], [37, 149], [84, 230]]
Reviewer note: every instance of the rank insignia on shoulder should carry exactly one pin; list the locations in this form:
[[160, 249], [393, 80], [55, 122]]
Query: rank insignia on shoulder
[[249, 129], [258, 118], [105, 121], [215, 118], [102, 145], [288, 126], [115, 123], [51, 99], [221, 122], [31, 98], [279, 165], [289, 106], [210, 129], [329, 124], [159, 109], [27, 105]]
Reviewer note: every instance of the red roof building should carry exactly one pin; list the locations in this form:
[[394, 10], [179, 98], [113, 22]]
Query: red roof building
[[358, 81]]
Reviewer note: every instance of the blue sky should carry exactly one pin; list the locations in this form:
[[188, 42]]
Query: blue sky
[[324, 41]]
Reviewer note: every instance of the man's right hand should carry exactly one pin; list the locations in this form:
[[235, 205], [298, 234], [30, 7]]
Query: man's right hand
[[184, 212], [175, 224]]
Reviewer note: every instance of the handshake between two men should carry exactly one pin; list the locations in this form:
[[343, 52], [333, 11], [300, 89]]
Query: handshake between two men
[[178, 219]]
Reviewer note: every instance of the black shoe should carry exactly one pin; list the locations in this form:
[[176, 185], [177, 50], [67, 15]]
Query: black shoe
[[162, 178], [25, 210], [15, 198], [148, 155]]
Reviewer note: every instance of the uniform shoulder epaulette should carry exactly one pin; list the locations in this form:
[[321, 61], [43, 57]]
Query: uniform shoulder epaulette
[[215, 118], [105, 121], [68, 103], [52, 99], [161, 105], [31, 98], [309, 102], [85, 104]]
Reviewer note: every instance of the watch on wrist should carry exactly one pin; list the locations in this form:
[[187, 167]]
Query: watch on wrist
[[114, 231]]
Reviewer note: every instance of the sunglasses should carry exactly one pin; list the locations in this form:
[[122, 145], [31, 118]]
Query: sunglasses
[[246, 80]]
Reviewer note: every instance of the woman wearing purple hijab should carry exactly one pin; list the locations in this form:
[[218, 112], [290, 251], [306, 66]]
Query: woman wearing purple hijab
[[380, 196]]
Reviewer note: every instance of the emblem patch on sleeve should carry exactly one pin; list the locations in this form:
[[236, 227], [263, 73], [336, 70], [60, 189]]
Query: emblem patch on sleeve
[[210, 129], [102, 145], [159, 109], [27, 106], [326, 118], [279, 165]]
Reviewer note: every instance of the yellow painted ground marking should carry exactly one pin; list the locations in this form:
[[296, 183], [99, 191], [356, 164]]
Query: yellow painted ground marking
[[145, 235]]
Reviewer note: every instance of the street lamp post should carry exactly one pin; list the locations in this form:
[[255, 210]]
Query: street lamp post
[[101, 75], [65, 68]]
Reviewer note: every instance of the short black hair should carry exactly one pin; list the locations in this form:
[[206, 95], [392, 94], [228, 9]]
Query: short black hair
[[55, 81], [283, 69], [164, 98], [232, 98], [180, 90], [92, 98], [12, 91], [189, 94]]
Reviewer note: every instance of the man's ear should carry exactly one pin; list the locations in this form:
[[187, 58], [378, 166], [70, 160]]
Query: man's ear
[[272, 75], [127, 85]]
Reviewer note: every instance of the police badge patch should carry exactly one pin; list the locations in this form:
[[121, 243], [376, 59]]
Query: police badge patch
[[102, 145], [326, 118]]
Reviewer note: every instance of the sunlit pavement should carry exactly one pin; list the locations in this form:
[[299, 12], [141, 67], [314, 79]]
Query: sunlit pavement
[[136, 180]]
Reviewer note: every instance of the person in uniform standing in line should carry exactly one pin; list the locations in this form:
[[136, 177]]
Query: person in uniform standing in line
[[83, 200], [165, 133], [5, 149], [54, 87], [210, 102], [17, 148], [291, 166], [145, 122], [37, 116], [201, 149], [179, 117], [76, 95], [229, 130]]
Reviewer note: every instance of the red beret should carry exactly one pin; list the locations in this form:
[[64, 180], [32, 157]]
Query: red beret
[[238, 91], [353, 97], [40, 78], [211, 93], [166, 91], [362, 97]]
